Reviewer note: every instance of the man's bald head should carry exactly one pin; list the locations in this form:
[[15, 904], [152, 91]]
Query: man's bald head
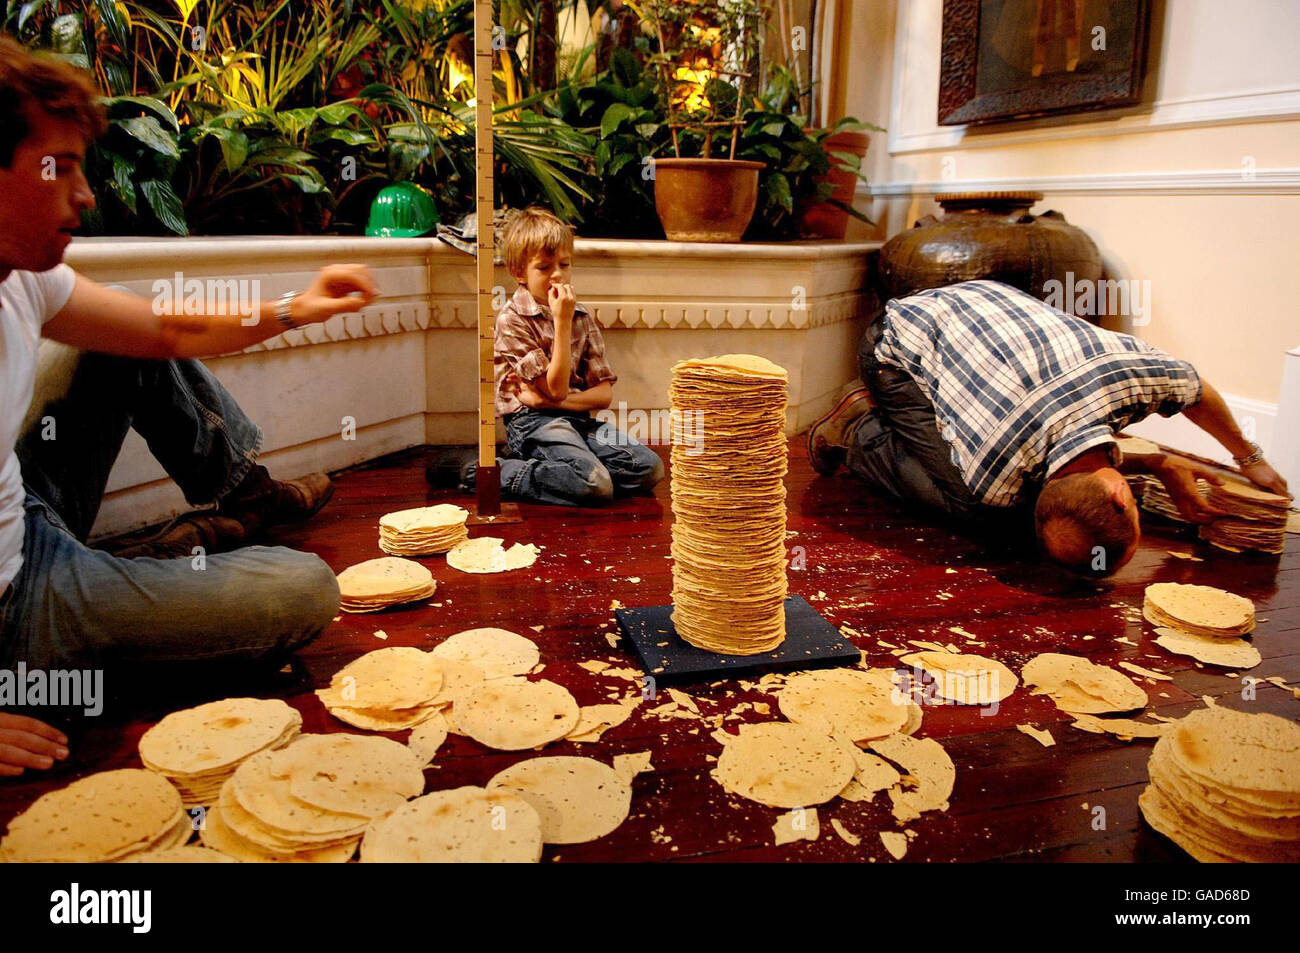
[[1087, 522]]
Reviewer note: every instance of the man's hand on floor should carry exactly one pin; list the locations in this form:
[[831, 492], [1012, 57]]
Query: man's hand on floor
[[1265, 477], [1179, 477], [28, 743]]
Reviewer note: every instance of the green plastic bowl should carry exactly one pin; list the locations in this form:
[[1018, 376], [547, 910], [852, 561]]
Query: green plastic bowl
[[402, 210]]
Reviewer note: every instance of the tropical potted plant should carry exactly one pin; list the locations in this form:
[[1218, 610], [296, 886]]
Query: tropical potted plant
[[707, 53], [807, 189]]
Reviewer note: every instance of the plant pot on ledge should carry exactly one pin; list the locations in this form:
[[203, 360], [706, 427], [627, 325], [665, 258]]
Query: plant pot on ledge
[[706, 55], [826, 220], [706, 200]]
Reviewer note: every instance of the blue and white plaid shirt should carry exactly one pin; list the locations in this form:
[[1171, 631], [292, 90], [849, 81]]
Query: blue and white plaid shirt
[[1019, 388]]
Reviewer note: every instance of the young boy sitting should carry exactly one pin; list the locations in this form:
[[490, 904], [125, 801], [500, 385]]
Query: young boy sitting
[[556, 451]]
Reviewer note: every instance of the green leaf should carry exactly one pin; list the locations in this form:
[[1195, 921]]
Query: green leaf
[[147, 130], [844, 206], [722, 95], [303, 116], [155, 106], [849, 124], [849, 161], [568, 102], [352, 137], [186, 7], [778, 188], [121, 183], [28, 9], [119, 78], [309, 184], [263, 154], [620, 160], [625, 67], [111, 16], [234, 145], [164, 204], [614, 116], [337, 113]]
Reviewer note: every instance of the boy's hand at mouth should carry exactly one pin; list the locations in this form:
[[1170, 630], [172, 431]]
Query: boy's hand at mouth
[[562, 300]]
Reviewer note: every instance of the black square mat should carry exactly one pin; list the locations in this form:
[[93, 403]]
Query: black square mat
[[810, 642]]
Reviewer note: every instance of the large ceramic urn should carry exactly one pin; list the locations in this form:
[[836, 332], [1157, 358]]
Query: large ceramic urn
[[989, 235]]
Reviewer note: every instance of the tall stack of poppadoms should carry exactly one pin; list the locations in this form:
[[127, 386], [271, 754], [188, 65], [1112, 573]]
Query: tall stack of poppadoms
[[728, 493]]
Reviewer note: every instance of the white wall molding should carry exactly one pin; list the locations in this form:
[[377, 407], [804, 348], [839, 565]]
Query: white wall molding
[[425, 284], [1284, 181]]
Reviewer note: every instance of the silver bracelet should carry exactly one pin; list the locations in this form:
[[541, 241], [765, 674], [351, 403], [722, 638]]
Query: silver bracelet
[[1255, 456], [282, 314]]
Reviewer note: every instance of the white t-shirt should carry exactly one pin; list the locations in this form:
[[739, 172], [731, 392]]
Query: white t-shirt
[[27, 300]]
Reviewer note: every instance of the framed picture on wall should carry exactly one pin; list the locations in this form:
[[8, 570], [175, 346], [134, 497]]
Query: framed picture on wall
[[1016, 59]]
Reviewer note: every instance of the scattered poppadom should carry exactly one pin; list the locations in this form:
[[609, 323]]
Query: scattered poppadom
[[577, 799], [485, 554], [784, 765], [796, 825], [511, 714], [1228, 653]]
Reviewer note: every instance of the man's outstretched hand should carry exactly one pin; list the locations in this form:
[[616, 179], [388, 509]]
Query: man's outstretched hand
[[28, 743], [337, 289]]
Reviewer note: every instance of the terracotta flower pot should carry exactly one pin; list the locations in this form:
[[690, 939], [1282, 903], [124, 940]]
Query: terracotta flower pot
[[706, 200], [822, 219]]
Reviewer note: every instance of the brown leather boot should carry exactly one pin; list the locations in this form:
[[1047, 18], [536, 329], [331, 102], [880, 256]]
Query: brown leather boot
[[828, 437], [260, 502], [179, 538]]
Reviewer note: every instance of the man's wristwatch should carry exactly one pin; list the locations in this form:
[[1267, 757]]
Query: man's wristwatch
[[282, 314], [1249, 460]]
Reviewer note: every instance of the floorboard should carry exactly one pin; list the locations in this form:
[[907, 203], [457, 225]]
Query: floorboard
[[887, 575]]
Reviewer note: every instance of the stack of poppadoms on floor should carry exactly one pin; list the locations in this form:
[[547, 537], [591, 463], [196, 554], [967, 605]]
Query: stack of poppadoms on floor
[[1225, 786], [1257, 519]]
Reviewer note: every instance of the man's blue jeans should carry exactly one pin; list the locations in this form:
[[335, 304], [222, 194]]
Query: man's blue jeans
[[76, 607], [897, 449], [573, 459]]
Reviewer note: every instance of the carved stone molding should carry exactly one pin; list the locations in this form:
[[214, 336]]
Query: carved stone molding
[[427, 285]]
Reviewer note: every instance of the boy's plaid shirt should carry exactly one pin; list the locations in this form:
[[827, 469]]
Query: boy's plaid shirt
[[1019, 388], [525, 334]]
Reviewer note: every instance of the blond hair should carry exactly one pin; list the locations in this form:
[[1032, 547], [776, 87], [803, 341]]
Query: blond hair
[[530, 231]]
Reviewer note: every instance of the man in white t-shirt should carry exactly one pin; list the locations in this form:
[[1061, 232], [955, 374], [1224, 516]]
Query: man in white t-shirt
[[64, 605]]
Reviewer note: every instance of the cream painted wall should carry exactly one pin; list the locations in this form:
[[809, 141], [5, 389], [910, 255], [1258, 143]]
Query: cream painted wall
[[1223, 86]]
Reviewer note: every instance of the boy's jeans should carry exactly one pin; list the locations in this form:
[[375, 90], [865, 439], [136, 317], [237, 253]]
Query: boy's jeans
[[76, 607], [573, 459]]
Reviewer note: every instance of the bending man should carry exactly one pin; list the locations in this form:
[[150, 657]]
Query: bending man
[[980, 398]]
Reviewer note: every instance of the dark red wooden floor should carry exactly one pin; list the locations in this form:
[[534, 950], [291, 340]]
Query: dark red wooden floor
[[889, 576]]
